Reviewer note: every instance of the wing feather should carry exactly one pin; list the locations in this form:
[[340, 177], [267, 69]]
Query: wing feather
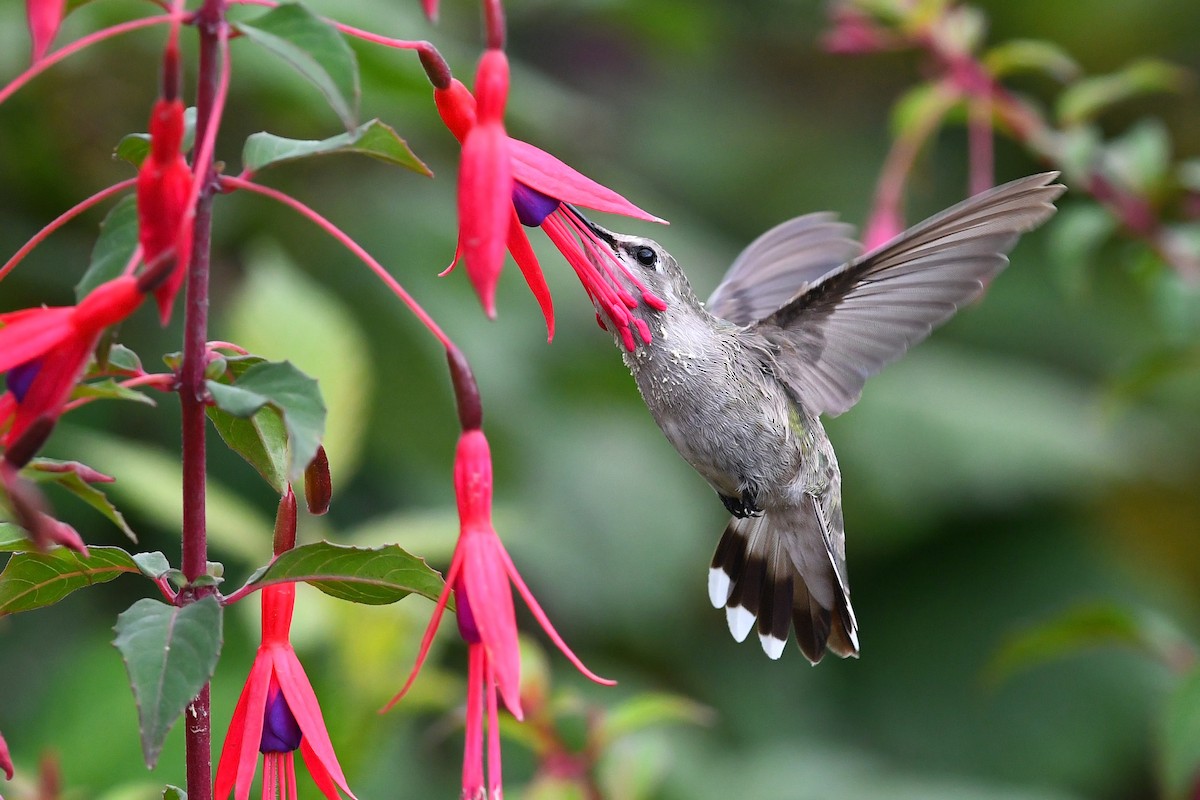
[[842, 329]]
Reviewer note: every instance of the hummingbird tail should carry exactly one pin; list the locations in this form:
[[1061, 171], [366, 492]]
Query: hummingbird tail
[[778, 569]]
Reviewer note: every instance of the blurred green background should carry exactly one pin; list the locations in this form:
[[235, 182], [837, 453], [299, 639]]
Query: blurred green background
[[1000, 475]]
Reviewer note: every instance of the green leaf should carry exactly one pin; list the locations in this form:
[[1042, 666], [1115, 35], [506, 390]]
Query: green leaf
[[153, 565], [13, 538], [315, 49], [290, 392], [170, 792], [372, 576], [281, 312], [1088, 627], [1091, 96], [651, 709], [170, 652], [109, 389], [1031, 55], [1142, 156], [374, 139], [920, 109], [118, 239], [134, 147], [35, 580], [1075, 239], [261, 440], [78, 479], [122, 358]]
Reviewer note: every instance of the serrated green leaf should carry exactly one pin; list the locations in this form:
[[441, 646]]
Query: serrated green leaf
[[374, 139], [372, 576], [1091, 96], [290, 392], [315, 49], [134, 147], [170, 652], [118, 239], [235, 400], [1088, 627], [35, 580], [1031, 55], [67, 475], [261, 440]]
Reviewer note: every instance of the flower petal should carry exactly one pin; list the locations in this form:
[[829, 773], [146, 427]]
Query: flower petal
[[30, 333], [316, 768], [278, 601], [303, 702], [485, 580], [550, 176], [44, 17], [239, 753], [484, 208], [531, 270]]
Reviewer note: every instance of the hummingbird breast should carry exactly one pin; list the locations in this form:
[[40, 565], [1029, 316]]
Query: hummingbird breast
[[712, 394]]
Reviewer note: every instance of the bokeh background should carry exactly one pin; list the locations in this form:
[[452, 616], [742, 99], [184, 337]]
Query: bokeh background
[[1022, 463]]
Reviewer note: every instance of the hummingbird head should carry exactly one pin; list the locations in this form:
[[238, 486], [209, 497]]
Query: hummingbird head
[[642, 268]]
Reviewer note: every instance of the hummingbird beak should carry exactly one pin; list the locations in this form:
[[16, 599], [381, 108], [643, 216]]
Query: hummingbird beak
[[603, 234]]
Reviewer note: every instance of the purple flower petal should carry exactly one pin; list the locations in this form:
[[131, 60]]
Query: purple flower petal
[[281, 731]]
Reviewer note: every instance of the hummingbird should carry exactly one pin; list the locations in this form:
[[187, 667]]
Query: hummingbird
[[738, 384]]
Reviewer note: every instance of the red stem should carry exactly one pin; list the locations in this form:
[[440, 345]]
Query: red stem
[[210, 79]]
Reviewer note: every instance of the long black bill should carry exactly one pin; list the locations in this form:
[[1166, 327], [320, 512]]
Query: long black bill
[[601, 233]]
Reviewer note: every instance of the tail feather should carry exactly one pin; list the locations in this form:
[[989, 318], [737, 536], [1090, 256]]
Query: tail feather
[[783, 576]]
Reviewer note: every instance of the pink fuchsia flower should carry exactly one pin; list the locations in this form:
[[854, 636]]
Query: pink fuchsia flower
[[885, 224], [541, 194], [481, 576], [6, 765], [44, 351], [44, 17], [164, 187], [276, 714]]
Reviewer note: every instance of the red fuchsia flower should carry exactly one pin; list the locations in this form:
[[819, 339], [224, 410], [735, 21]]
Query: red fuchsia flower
[[164, 187], [276, 714], [541, 194], [5, 759], [481, 576], [44, 17], [44, 351]]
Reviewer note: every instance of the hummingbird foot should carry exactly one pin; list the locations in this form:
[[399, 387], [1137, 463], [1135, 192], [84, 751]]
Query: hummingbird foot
[[744, 506]]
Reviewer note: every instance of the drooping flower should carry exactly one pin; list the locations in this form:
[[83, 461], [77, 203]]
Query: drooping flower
[[542, 192], [277, 714], [44, 351], [163, 189], [482, 576], [44, 17]]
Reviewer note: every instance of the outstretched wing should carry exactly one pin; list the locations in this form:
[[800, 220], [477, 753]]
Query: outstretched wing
[[780, 263], [849, 324]]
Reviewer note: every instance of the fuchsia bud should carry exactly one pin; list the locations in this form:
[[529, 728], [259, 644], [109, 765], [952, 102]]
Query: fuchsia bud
[[163, 190], [44, 17], [485, 182]]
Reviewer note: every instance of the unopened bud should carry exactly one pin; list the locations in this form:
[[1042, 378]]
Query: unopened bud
[[285, 522], [318, 488]]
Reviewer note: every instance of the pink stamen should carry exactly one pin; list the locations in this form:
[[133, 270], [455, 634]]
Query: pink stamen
[[654, 301], [600, 322], [472, 779], [493, 733], [643, 330]]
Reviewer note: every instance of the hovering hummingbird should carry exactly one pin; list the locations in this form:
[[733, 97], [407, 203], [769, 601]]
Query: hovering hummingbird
[[738, 384]]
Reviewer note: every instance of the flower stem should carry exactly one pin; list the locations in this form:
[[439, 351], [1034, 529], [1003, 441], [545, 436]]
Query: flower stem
[[197, 727]]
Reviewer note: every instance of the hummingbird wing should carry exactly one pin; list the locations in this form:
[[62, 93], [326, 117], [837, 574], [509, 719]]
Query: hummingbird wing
[[849, 324], [770, 270]]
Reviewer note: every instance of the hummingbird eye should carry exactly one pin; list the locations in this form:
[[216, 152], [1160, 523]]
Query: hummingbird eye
[[646, 256]]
